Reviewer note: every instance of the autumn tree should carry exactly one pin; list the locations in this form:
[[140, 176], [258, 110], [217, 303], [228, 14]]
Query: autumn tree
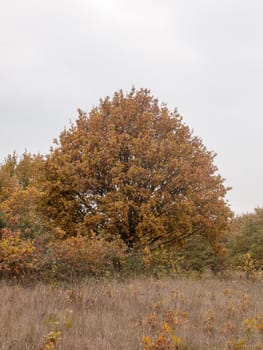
[[246, 237], [20, 194], [132, 168]]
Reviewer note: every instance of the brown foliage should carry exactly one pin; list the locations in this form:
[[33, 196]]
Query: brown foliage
[[80, 257], [16, 256], [20, 194], [52, 259], [133, 169]]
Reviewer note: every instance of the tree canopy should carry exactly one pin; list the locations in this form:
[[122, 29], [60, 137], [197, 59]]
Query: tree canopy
[[132, 168], [247, 236], [19, 193]]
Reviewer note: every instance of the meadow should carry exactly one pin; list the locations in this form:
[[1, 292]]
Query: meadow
[[179, 313]]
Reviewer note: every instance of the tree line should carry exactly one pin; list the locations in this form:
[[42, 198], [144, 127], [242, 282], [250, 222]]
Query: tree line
[[129, 176]]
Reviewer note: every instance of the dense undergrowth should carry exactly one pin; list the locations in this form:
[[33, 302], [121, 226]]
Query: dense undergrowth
[[50, 259]]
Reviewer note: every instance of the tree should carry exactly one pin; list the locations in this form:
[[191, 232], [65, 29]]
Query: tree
[[20, 195], [131, 168], [247, 237]]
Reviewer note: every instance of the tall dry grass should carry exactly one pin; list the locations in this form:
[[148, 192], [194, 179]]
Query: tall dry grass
[[205, 314]]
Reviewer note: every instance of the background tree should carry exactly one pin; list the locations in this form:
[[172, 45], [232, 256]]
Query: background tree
[[20, 194], [131, 168], [246, 237]]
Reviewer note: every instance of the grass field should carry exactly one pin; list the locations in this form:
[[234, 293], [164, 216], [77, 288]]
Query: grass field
[[142, 313]]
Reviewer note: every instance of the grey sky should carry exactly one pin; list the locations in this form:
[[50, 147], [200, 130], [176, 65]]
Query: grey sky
[[204, 57]]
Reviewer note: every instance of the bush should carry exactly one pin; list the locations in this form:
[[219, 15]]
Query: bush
[[247, 239], [17, 258], [198, 255], [79, 256]]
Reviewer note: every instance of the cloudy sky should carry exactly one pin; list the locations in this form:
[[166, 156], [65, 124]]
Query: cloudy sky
[[204, 57]]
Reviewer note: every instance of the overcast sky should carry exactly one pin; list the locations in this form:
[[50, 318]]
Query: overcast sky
[[204, 57]]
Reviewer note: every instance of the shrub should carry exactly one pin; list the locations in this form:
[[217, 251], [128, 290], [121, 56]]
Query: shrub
[[16, 255], [79, 256]]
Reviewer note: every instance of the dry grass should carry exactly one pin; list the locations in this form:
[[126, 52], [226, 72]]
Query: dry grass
[[113, 315]]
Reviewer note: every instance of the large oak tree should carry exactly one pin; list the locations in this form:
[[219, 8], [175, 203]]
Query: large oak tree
[[132, 168]]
